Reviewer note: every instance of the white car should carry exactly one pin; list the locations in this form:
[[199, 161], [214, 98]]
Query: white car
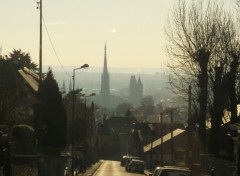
[[171, 171]]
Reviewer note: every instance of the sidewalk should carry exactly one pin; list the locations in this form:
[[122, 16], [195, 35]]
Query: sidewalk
[[92, 169]]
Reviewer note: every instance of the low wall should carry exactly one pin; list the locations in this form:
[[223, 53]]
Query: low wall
[[24, 165], [33, 165]]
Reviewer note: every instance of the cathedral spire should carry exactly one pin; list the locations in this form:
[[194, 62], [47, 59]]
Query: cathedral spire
[[139, 80], [105, 59], [105, 88]]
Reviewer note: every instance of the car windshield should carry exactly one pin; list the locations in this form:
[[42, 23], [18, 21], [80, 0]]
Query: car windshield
[[168, 172]]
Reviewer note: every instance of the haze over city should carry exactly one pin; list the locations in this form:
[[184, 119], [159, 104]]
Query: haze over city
[[132, 30]]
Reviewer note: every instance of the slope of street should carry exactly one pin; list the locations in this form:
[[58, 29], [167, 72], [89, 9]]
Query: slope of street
[[113, 168]]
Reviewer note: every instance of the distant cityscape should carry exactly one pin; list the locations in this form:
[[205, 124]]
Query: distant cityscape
[[154, 83]]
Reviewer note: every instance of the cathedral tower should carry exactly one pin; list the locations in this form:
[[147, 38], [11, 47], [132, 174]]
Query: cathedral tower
[[139, 88], [135, 90]]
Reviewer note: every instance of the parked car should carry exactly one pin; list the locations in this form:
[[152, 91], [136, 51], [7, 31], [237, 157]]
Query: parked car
[[125, 159], [137, 166], [129, 160], [171, 171]]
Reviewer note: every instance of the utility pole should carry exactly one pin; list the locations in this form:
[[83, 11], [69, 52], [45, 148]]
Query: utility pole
[[151, 162], [161, 122], [188, 153], [40, 79], [40, 43], [172, 144]]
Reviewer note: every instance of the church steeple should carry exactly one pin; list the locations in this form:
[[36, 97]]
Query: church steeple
[[105, 88], [105, 69]]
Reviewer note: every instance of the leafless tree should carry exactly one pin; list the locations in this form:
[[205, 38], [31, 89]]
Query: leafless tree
[[203, 42], [192, 37]]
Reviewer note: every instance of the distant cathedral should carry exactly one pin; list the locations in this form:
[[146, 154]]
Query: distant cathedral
[[105, 99], [105, 85], [135, 90]]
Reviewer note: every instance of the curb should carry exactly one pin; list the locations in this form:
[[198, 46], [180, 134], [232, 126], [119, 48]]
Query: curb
[[91, 170], [147, 172]]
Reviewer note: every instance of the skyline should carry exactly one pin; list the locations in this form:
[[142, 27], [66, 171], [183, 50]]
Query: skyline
[[132, 30]]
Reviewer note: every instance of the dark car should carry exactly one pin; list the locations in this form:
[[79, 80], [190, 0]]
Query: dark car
[[129, 160], [124, 160], [137, 166]]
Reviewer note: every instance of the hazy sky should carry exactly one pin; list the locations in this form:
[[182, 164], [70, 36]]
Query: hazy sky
[[132, 29]]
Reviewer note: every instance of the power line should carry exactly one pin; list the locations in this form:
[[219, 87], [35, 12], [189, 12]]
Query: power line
[[54, 49], [49, 37]]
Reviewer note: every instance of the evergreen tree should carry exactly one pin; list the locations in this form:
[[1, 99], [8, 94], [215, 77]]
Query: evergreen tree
[[11, 86], [20, 59], [50, 117]]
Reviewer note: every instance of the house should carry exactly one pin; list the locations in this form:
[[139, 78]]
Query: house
[[30, 77], [170, 148], [134, 137], [28, 84], [114, 134]]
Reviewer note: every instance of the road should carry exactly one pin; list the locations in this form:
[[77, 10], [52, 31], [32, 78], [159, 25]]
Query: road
[[113, 168]]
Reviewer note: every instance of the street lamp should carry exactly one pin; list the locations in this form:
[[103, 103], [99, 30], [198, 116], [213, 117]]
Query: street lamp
[[85, 141], [85, 66]]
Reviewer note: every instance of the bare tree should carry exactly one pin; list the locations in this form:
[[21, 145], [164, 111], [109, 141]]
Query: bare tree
[[192, 38], [223, 71]]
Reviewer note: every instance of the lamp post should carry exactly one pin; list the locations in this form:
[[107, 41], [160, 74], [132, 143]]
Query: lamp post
[[85, 118], [85, 66]]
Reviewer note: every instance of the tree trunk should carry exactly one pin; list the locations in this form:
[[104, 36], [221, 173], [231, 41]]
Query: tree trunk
[[217, 112], [232, 88], [203, 60]]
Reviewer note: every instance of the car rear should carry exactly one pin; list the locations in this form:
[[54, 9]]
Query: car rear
[[137, 166]]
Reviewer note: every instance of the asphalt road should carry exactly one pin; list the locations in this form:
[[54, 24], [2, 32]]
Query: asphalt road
[[113, 168]]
